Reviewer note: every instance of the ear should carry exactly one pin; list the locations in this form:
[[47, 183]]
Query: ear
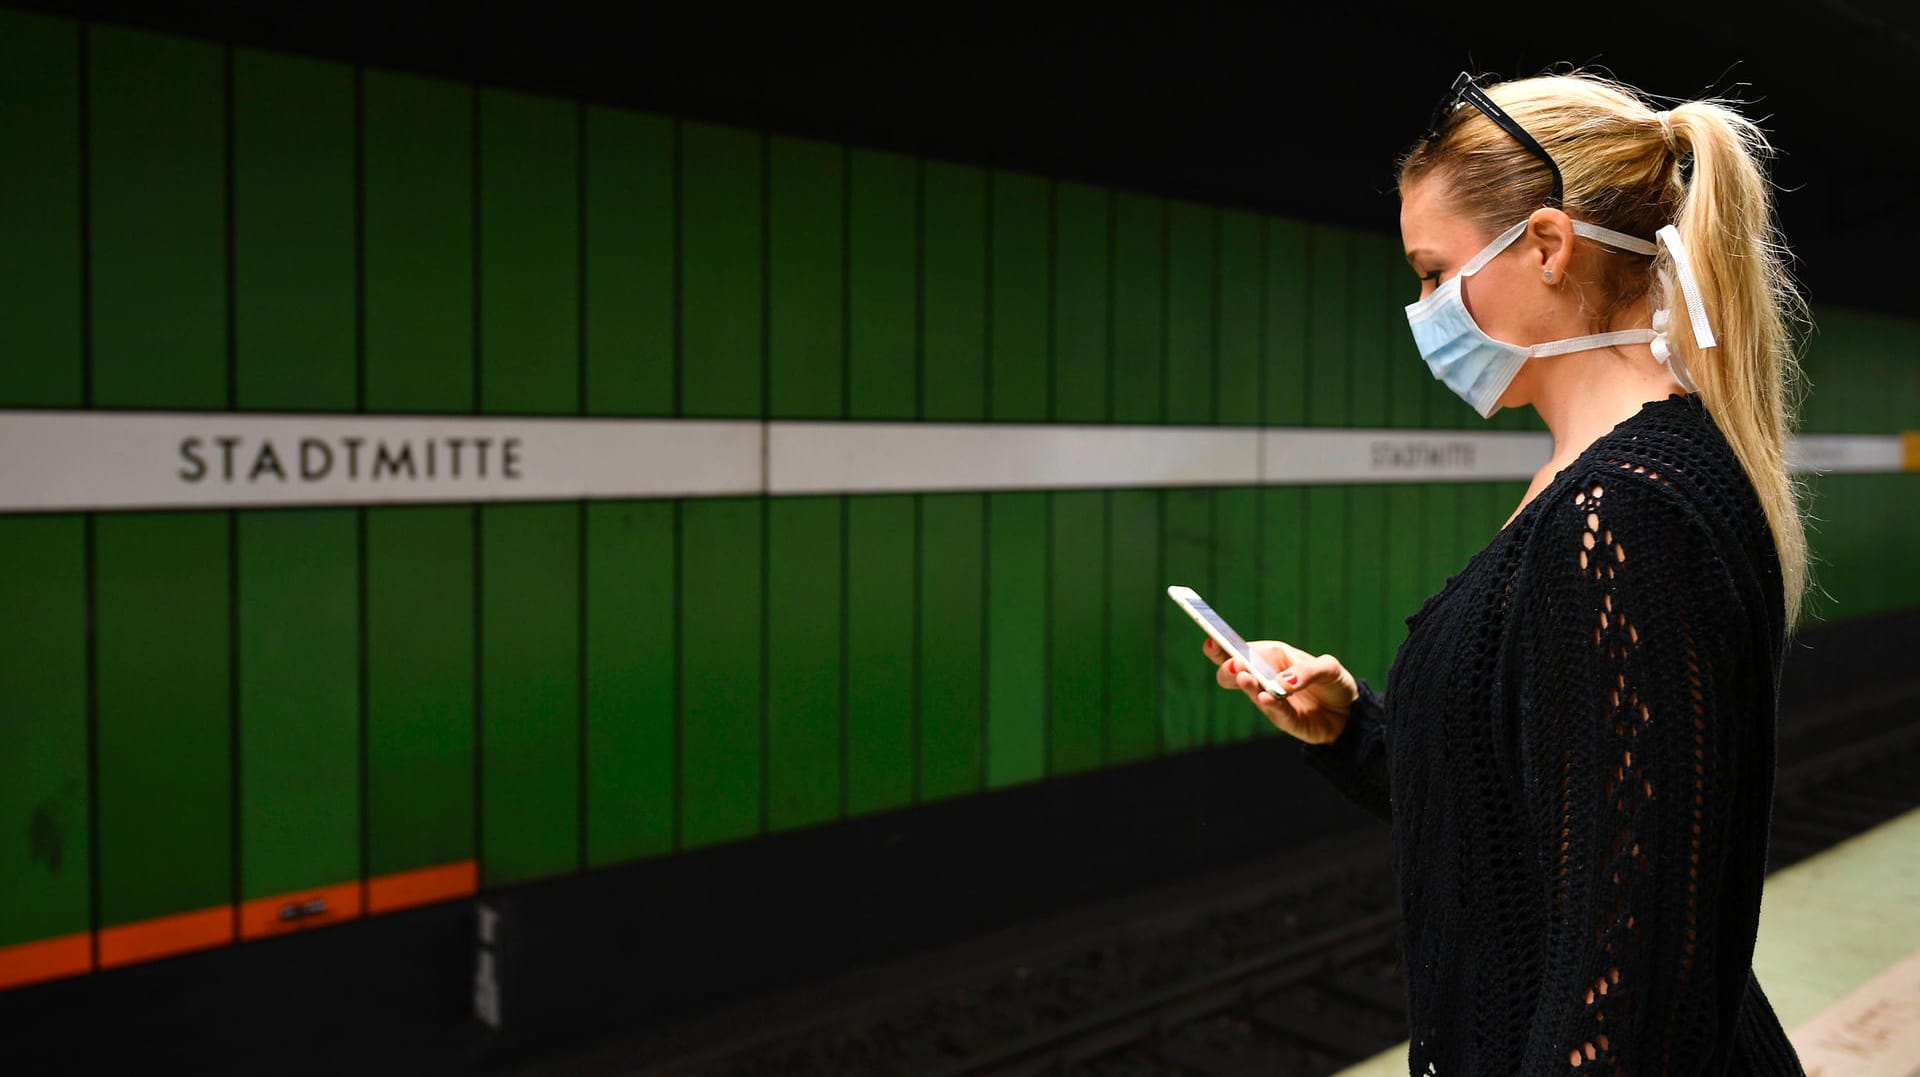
[[1550, 237]]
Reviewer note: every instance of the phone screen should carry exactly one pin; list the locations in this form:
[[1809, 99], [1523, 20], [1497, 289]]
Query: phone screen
[[1223, 633]]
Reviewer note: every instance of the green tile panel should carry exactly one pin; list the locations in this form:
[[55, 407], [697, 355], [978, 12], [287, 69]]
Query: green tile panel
[[1077, 661], [420, 653], [165, 732], [40, 285], [1019, 238], [1082, 316], [806, 280], [882, 367], [627, 247], [952, 746], [880, 652], [1016, 690], [722, 596], [628, 775], [45, 872], [806, 563]]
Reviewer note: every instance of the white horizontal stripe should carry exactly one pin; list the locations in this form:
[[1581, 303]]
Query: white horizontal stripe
[[1845, 452], [818, 458], [130, 460], [1325, 456], [105, 460]]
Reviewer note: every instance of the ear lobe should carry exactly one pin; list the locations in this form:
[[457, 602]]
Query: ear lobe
[[1550, 232]]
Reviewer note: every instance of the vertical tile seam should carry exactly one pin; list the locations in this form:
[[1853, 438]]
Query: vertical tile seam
[[1164, 259], [363, 615], [1261, 494], [844, 703], [915, 737], [1112, 302], [1348, 637], [846, 282], [1309, 243], [765, 700], [678, 405], [582, 519], [984, 715], [677, 779], [1108, 358], [989, 250], [89, 554], [88, 539], [476, 511], [915, 719], [83, 79], [844, 569], [1214, 347], [236, 819], [1049, 609]]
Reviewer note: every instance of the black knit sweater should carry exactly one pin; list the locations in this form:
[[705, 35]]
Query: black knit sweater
[[1576, 753]]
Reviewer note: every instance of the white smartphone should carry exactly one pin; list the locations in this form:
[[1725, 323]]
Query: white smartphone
[[1216, 626]]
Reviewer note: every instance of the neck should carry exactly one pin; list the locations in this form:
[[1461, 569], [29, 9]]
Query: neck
[[1583, 396]]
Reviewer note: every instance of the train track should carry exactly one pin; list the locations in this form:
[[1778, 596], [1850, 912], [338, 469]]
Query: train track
[[1284, 976], [1167, 1031]]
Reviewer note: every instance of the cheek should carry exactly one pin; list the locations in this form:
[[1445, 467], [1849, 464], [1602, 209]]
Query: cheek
[[1494, 300]]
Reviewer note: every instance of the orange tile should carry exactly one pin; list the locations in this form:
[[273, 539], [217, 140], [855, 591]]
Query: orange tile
[[45, 959], [423, 886], [299, 910], [164, 936]]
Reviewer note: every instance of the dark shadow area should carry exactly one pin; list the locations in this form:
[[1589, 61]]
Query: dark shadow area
[[1285, 110]]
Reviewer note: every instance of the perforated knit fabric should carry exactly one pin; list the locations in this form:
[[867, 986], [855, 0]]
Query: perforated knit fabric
[[1576, 754]]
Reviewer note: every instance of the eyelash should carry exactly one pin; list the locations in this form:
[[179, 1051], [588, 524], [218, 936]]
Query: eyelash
[[1433, 276]]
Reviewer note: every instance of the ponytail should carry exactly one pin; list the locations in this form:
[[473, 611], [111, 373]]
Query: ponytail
[[1750, 381]]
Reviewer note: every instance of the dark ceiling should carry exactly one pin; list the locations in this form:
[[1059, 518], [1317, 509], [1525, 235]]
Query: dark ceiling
[[1298, 110]]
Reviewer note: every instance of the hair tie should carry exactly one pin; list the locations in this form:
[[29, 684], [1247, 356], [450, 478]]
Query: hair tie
[[1666, 130]]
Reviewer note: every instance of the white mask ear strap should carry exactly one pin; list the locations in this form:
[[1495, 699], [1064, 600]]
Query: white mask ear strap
[[1596, 340], [1492, 250], [1614, 239], [1689, 286]]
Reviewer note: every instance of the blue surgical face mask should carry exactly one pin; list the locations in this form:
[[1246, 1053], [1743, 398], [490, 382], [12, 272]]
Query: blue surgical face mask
[[1478, 368]]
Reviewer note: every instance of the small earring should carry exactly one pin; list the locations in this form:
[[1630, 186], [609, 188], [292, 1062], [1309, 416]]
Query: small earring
[[1547, 275]]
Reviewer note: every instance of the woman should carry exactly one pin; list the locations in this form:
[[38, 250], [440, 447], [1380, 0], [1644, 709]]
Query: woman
[[1576, 750]]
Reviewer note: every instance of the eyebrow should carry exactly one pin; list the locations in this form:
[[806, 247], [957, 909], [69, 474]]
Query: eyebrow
[[1413, 254]]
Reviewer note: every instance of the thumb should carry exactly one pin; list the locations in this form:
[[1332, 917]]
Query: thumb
[[1309, 671]]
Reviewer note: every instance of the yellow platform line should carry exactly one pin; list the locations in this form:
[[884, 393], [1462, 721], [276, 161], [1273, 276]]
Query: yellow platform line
[[1833, 955]]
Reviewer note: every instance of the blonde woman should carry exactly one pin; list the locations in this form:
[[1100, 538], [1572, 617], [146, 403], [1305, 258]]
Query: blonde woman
[[1576, 748]]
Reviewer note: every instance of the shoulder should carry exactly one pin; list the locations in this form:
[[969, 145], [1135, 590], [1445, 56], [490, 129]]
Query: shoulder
[[1665, 475], [1606, 512]]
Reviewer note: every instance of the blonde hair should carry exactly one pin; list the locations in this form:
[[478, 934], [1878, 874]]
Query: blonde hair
[[1625, 167]]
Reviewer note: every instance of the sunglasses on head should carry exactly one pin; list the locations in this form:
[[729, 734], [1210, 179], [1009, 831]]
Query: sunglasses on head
[[1465, 89]]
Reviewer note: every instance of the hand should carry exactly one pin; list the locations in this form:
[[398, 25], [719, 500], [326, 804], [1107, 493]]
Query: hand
[[1320, 691]]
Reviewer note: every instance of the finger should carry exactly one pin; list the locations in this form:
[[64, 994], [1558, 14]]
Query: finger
[[1212, 650], [1310, 671], [1277, 711], [1270, 705]]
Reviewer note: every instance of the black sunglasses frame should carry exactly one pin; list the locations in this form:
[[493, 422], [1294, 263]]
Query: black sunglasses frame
[[1464, 88]]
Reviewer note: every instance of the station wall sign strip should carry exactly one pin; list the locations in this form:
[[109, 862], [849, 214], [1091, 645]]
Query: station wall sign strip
[[129, 460]]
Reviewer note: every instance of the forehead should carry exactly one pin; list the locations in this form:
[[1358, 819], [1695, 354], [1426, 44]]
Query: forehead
[[1430, 221]]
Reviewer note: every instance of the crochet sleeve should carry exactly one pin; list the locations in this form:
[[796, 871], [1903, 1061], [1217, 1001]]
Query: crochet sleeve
[[1627, 626], [1356, 761]]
